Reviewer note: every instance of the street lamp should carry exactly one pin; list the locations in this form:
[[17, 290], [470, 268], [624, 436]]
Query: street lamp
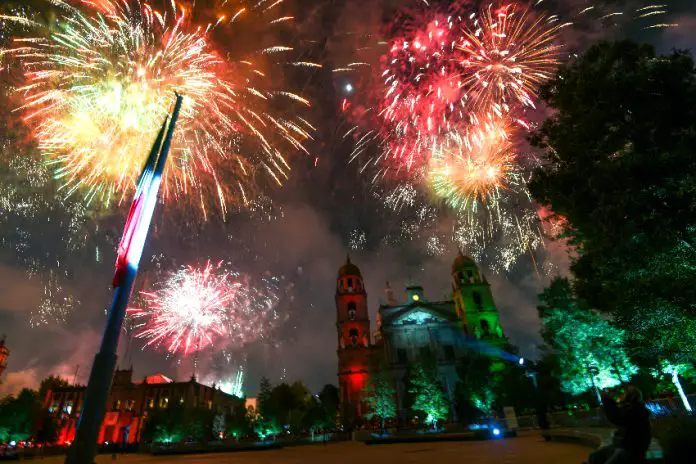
[[531, 370]]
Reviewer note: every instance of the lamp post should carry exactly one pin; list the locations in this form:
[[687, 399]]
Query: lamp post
[[130, 249], [531, 370]]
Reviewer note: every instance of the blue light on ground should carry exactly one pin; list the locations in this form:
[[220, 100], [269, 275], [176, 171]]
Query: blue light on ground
[[496, 432]]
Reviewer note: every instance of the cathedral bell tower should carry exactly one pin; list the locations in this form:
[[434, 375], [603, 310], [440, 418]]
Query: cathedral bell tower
[[353, 328], [473, 301]]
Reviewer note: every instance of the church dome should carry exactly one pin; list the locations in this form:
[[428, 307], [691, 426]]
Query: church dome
[[349, 269], [462, 261]]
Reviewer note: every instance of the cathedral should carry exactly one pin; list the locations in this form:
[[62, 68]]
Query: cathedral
[[410, 330]]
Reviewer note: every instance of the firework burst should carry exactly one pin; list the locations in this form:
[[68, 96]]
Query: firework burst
[[99, 86], [190, 310], [444, 74], [476, 172], [200, 307], [510, 52]]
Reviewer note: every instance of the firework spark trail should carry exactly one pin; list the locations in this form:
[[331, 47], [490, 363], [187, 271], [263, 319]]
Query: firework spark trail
[[97, 89], [56, 305], [234, 384], [199, 307]]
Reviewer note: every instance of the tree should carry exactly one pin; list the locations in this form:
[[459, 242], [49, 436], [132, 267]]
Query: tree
[[238, 422], [590, 351], [474, 391], [674, 370], [619, 172], [429, 398], [51, 383], [264, 395], [328, 396], [177, 423], [48, 430], [315, 417], [18, 415], [284, 404], [379, 392], [219, 425]]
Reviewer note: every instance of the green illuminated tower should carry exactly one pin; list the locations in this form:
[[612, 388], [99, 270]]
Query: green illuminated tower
[[473, 302]]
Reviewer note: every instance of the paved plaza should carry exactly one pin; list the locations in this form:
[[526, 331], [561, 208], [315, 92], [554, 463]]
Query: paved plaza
[[522, 450]]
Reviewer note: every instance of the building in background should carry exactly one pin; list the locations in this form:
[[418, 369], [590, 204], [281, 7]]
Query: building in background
[[411, 331], [130, 403]]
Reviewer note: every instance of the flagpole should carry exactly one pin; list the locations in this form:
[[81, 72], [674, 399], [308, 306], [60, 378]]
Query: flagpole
[[84, 448]]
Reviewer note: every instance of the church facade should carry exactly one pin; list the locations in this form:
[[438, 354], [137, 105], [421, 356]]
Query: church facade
[[410, 331]]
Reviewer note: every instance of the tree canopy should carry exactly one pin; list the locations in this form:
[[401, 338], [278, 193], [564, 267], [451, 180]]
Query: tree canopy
[[293, 406], [619, 172], [590, 350]]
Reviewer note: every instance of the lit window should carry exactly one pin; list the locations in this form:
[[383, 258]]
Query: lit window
[[117, 405], [130, 404], [181, 400], [415, 297], [68, 407], [210, 404], [164, 402], [151, 403]]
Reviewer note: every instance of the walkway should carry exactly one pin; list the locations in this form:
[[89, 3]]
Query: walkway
[[523, 450]]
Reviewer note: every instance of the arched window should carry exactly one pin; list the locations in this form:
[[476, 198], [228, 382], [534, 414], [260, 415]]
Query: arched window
[[352, 310], [477, 299], [485, 327], [353, 334]]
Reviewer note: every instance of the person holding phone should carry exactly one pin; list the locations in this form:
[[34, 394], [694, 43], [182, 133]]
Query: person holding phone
[[633, 434]]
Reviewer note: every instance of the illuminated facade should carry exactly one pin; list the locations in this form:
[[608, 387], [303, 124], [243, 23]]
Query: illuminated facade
[[412, 331], [353, 328], [130, 403]]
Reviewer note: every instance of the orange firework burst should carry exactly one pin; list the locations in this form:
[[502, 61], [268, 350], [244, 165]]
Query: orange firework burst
[[478, 169], [99, 87]]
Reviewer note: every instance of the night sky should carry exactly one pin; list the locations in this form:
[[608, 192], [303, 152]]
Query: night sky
[[325, 210]]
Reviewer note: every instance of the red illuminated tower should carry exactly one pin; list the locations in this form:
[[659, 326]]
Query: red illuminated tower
[[353, 327], [4, 353]]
